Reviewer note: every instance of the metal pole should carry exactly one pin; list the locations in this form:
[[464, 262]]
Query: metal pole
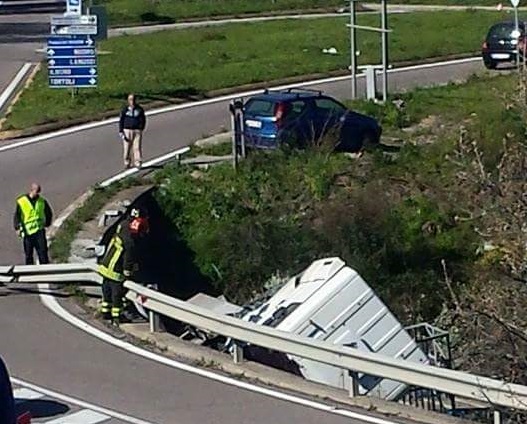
[[353, 42], [354, 384], [384, 26], [233, 129], [517, 29], [242, 137], [237, 353]]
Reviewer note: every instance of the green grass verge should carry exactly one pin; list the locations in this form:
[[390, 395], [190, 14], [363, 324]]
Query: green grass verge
[[191, 62], [131, 12], [126, 12], [60, 246]]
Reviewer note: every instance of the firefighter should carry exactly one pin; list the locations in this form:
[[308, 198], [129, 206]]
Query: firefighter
[[117, 265], [32, 216]]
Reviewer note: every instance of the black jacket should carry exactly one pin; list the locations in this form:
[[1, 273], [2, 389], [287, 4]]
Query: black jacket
[[132, 119], [17, 216], [126, 259]]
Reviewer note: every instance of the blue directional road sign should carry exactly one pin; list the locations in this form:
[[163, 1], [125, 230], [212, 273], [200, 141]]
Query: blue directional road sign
[[70, 41], [72, 62], [74, 82]]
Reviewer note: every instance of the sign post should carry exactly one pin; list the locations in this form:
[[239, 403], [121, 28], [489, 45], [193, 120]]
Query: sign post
[[515, 4], [384, 31]]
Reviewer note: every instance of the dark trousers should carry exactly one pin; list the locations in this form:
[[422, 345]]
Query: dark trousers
[[39, 243], [112, 298]]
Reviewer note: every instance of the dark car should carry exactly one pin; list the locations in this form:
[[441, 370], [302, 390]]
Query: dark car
[[503, 43], [303, 117], [7, 404]]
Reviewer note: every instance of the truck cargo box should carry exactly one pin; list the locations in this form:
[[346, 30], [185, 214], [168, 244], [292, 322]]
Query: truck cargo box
[[330, 301]]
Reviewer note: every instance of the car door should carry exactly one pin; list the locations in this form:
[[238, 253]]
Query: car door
[[328, 119], [294, 131]]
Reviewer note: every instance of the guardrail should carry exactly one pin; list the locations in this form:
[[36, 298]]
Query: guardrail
[[495, 392]]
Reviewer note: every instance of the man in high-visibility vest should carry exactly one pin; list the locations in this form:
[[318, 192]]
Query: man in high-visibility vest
[[117, 265], [32, 216]]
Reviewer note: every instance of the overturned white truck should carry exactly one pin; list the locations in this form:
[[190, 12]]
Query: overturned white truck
[[330, 301]]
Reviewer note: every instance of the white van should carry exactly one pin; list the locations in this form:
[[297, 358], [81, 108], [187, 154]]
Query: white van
[[330, 301]]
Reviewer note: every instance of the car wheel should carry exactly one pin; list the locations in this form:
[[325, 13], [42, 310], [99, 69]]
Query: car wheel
[[491, 64], [370, 139]]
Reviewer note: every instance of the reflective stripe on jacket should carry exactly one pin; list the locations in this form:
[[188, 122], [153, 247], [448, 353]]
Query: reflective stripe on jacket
[[111, 264], [33, 216]]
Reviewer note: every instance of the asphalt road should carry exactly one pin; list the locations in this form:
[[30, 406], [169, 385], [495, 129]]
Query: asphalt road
[[41, 348], [20, 36]]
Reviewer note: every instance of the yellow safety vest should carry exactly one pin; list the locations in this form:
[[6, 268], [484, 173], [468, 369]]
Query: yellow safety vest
[[33, 217], [113, 254]]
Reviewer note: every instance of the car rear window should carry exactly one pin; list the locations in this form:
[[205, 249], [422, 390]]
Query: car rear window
[[502, 31], [260, 107]]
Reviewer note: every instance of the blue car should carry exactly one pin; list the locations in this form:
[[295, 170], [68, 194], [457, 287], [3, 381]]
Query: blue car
[[304, 117], [7, 404]]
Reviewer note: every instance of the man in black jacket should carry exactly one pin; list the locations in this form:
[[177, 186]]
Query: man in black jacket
[[132, 122], [31, 218]]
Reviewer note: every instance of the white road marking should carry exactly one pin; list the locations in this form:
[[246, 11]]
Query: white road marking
[[51, 303], [8, 92], [22, 394], [80, 403], [173, 108], [152, 162], [82, 417]]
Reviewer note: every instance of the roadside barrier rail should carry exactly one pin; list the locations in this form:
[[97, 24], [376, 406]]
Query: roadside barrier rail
[[497, 393]]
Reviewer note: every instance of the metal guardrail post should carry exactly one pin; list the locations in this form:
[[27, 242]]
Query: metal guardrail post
[[154, 323], [354, 384], [237, 353], [497, 417]]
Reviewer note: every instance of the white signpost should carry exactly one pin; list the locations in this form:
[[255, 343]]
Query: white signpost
[[74, 7], [515, 4]]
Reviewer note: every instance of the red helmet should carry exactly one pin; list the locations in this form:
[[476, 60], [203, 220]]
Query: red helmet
[[139, 226]]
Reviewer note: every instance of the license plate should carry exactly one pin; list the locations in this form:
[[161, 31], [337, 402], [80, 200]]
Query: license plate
[[500, 56], [253, 124]]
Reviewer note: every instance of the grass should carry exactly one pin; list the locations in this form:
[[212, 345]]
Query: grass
[[60, 246], [131, 12], [173, 64], [126, 12]]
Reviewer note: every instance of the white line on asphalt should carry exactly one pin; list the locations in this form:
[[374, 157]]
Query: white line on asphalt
[[152, 162], [8, 92], [173, 108], [80, 403], [22, 394], [81, 417], [51, 303]]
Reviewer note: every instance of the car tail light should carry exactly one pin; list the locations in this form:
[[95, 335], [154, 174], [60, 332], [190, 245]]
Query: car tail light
[[485, 46], [24, 418], [279, 113]]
